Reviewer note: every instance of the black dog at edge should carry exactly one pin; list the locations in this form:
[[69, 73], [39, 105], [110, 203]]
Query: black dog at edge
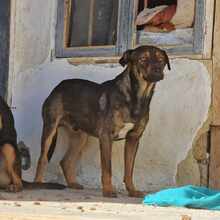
[[10, 156]]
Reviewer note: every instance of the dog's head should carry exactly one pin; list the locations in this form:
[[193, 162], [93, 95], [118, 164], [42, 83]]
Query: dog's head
[[147, 61]]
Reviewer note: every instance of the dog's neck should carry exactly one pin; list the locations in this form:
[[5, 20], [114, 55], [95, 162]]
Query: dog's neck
[[141, 86], [134, 83], [137, 91]]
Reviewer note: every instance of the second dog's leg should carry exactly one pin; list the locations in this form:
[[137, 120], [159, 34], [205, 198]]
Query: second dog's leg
[[9, 154], [68, 163], [106, 154], [49, 132]]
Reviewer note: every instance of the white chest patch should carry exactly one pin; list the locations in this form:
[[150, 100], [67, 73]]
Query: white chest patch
[[123, 132]]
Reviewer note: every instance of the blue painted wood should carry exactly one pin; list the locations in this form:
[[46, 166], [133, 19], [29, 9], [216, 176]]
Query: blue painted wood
[[125, 33], [4, 45], [199, 26], [197, 45], [62, 51], [59, 39], [131, 26], [123, 26], [88, 52]]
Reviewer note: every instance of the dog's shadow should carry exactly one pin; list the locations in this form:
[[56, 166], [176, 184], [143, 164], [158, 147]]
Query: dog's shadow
[[68, 196]]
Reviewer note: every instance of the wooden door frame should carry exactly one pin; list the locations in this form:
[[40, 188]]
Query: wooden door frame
[[214, 168]]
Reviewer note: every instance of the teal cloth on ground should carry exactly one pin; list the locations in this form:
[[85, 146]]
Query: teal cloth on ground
[[187, 196]]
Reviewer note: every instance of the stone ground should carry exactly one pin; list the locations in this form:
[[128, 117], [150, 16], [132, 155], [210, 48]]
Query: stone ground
[[88, 205]]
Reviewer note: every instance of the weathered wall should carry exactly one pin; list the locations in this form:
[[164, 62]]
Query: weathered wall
[[179, 107]]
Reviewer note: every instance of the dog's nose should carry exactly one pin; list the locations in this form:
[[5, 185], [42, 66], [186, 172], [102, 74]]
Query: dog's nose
[[135, 114]]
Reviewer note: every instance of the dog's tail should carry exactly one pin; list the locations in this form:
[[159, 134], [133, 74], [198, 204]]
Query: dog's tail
[[33, 185], [52, 147]]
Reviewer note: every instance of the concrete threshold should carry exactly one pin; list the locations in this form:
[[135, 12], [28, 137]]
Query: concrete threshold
[[88, 205]]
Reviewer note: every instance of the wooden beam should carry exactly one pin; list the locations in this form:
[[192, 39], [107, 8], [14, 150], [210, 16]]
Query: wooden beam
[[200, 150], [93, 60], [214, 167], [216, 68]]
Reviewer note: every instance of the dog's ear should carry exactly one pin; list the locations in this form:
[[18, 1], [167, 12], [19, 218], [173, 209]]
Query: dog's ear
[[125, 58], [167, 60]]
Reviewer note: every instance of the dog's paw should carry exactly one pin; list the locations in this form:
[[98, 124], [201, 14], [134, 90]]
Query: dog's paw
[[75, 186], [136, 193], [14, 188], [110, 194]]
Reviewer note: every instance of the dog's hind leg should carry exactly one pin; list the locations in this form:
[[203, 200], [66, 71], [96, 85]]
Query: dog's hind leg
[[77, 140], [49, 132]]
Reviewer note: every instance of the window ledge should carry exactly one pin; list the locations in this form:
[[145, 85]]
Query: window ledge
[[92, 60], [113, 60]]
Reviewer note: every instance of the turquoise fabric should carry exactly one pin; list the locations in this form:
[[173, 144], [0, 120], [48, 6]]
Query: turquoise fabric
[[186, 196]]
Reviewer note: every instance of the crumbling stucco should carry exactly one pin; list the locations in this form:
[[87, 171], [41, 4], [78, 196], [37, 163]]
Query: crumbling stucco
[[188, 171], [194, 168]]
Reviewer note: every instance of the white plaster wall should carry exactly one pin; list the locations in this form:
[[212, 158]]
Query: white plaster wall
[[33, 32], [178, 109]]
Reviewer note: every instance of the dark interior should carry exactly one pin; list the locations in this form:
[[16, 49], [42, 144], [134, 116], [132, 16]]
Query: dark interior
[[93, 23]]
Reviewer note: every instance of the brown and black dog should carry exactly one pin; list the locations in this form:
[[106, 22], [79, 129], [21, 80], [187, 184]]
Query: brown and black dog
[[116, 109], [10, 156]]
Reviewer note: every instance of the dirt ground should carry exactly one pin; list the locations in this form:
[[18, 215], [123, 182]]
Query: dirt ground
[[88, 205]]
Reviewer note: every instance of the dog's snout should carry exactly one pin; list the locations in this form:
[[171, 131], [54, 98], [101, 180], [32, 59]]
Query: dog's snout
[[155, 77], [157, 70]]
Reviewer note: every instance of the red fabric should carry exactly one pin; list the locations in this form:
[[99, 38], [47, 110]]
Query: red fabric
[[164, 16]]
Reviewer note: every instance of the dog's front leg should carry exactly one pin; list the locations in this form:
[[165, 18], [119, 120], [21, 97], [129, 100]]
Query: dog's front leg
[[131, 146], [106, 154]]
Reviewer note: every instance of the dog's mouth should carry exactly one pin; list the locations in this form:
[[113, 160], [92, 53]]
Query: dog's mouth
[[154, 77]]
